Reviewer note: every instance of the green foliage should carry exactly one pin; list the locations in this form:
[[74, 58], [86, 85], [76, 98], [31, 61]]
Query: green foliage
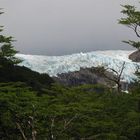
[[68, 113], [7, 50], [132, 16], [15, 102], [132, 20], [133, 43]]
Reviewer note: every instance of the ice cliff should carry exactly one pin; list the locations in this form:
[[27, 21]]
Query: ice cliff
[[54, 65]]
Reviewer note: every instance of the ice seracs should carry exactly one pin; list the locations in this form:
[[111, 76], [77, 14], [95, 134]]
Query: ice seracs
[[54, 65]]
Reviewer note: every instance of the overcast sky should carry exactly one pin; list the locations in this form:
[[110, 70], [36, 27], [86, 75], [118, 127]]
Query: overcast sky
[[57, 27]]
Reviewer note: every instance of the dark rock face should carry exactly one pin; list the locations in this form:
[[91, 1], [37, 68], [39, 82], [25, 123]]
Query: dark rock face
[[84, 76], [135, 56]]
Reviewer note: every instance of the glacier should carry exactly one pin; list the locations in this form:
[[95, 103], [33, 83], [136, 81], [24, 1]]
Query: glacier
[[54, 65]]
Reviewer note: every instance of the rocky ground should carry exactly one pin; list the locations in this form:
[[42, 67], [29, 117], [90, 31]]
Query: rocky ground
[[84, 76], [135, 56]]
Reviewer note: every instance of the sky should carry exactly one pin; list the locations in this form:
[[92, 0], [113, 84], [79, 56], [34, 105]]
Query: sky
[[59, 27]]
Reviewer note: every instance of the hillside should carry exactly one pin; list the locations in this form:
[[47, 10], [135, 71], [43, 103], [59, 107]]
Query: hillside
[[13, 73]]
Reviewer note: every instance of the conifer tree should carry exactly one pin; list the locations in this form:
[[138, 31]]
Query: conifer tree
[[131, 20], [7, 50]]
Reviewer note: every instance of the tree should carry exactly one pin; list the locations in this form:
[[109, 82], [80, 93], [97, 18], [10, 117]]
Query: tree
[[7, 51], [132, 20], [116, 77]]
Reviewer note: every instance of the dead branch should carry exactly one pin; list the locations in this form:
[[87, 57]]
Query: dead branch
[[117, 77], [21, 131]]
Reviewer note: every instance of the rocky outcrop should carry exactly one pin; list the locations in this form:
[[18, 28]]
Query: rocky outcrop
[[135, 56], [84, 76]]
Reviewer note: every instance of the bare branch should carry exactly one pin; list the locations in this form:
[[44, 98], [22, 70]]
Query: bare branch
[[111, 79], [122, 68], [52, 125], [117, 77], [21, 131], [136, 30], [113, 70], [67, 123]]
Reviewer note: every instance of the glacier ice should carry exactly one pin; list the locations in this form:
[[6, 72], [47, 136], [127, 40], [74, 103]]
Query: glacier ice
[[54, 65]]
